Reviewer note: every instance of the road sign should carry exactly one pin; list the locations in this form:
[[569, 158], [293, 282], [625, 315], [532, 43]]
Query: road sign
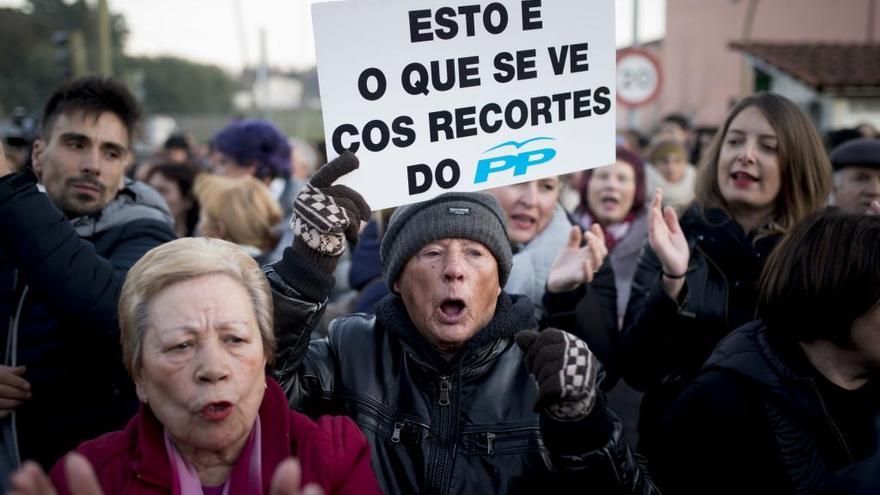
[[638, 77]]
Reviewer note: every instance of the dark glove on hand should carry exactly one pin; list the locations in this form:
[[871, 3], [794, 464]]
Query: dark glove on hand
[[565, 370], [324, 216]]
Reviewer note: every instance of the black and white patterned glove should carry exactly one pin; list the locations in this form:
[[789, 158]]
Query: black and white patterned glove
[[324, 217], [565, 370]]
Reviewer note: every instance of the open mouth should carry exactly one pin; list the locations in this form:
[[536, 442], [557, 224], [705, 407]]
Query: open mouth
[[609, 202], [523, 221], [743, 179], [452, 310], [217, 411]]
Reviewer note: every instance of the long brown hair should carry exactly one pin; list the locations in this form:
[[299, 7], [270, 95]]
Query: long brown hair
[[803, 163]]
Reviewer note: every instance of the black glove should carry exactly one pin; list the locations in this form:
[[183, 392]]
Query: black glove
[[565, 370], [324, 216]]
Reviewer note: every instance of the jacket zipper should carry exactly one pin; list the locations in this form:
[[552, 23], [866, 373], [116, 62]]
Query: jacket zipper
[[492, 436], [399, 424], [439, 478], [726, 284], [395, 436], [11, 359], [444, 390], [834, 428]]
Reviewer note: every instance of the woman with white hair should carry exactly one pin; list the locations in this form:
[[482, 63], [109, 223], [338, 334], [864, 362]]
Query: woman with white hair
[[196, 322]]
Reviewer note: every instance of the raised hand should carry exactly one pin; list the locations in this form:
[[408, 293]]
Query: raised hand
[[576, 265], [874, 209], [669, 243], [287, 479], [30, 479], [324, 214], [13, 389], [565, 370]]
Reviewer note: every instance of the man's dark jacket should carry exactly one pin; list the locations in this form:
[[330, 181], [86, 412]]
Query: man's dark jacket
[[464, 426], [59, 285], [751, 423]]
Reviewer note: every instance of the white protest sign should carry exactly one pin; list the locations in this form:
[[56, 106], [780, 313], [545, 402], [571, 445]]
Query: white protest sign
[[436, 96]]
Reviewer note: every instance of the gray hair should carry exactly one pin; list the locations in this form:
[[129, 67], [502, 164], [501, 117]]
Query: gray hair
[[178, 261]]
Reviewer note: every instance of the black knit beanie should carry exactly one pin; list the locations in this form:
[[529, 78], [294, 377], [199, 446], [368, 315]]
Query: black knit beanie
[[460, 215]]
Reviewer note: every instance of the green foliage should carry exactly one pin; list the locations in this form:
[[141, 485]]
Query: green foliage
[[32, 66], [174, 85]]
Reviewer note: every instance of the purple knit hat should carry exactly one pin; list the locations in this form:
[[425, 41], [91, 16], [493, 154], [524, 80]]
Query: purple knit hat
[[246, 141]]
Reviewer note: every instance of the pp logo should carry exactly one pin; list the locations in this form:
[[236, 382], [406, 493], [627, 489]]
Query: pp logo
[[519, 162]]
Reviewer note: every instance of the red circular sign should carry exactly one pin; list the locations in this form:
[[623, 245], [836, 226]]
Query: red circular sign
[[638, 77]]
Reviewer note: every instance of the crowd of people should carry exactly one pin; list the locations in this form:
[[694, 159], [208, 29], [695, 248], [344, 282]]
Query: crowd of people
[[692, 318]]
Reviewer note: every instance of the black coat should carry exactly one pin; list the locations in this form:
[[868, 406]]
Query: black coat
[[760, 419], [467, 426], [666, 342], [63, 287]]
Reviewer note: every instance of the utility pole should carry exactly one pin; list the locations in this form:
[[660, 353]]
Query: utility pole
[[263, 77], [632, 114], [746, 84], [78, 64], [243, 46], [105, 46]]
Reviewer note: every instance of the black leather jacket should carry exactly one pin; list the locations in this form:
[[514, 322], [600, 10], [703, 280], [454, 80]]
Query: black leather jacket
[[467, 426]]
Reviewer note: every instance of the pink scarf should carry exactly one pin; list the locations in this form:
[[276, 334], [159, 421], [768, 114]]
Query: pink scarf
[[246, 475], [613, 233]]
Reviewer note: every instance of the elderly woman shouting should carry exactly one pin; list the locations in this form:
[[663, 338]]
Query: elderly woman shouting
[[196, 322]]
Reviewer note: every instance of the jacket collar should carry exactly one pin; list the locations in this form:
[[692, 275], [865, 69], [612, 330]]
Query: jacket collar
[[135, 201], [716, 233], [748, 352], [512, 314], [150, 460]]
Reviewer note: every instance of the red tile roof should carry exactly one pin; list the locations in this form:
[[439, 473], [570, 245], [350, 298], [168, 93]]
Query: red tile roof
[[825, 66]]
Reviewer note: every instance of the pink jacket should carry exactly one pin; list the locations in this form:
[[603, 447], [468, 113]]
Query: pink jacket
[[332, 452]]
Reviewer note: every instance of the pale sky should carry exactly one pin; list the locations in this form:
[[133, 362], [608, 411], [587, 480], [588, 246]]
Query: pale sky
[[207, 31]]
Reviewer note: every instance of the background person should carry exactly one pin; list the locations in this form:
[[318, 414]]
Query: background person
[[676, 127], [613, 197], [785, 404], [177, 150], [175, 184], [856, 174], [256, 148], [241, 211], [670, 170], [697, 279], [538, 229], [197, 335]]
